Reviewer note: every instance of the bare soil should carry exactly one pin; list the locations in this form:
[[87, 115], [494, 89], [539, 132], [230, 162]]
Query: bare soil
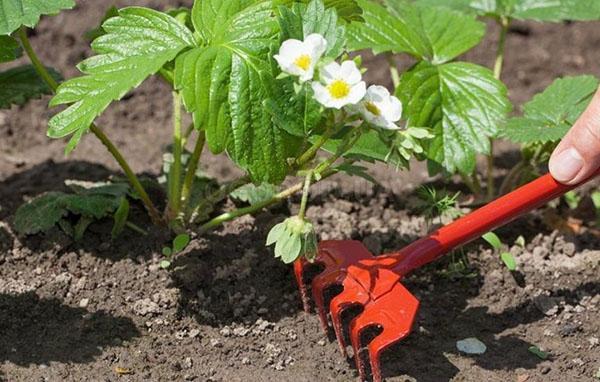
[[227, 311]]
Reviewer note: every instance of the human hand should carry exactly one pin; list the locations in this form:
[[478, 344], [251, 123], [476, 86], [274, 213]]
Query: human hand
[[578, 154]]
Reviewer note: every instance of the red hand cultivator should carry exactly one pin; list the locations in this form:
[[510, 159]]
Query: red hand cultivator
[[373, 282]]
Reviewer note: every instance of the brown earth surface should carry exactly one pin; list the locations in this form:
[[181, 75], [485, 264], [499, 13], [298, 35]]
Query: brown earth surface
[[228, 311]]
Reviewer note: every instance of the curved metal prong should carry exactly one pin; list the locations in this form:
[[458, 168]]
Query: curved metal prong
[[352, 295], [395, 313], [319, 284], [357, 326], [299, 273]]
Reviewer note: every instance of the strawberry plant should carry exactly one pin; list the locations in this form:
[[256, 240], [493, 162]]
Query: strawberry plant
[[273, 84], [465, 105], [267, 82]]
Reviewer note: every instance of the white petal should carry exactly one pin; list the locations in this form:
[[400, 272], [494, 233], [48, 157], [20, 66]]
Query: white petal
[[337, 103], [308, 74], [321, 94], [288, 66], [316, 44], [331, 72], [378, 93], [350, 72], [391, 126], [396, 109], [291, 48], [357, 93]]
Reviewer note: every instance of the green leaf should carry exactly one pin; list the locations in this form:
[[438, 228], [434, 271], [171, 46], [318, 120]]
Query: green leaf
[[167, 252], [463, 105], [93, 206], [40, 214], [253, 194], [520, 241], [538, 352], [136, 45], [317, 19], [180, 242], [43, 212], [226, 82], [492, 240], [82, 225], [539, 10], [299, 114], [433, 34], [164, 264], [288, 247], [120, 217], [509, 261], [371, 146], [359, 171], [275, 233], [9, 49], [14, 13], [573, 199], [550, 114], [21, 84], [116, 189], [348, 10]]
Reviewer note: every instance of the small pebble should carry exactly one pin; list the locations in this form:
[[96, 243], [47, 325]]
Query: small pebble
[[471, 346], [84, 302]]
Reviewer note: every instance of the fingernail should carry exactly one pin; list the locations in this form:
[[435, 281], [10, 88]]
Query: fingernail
[[565, 166]]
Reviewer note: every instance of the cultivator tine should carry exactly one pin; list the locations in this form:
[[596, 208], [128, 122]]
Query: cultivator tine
[[352, 295], [335, 256], [319, 284], [299, 273], [395, 313]]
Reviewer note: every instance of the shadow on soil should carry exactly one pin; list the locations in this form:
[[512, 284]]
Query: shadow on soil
[[36, 330], [232, 278], [51, 176]]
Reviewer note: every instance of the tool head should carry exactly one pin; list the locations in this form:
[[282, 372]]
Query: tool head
[[369, 282]]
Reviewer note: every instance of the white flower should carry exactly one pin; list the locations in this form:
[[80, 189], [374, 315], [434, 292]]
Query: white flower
[[380, 108], [342, 85], [299, 58]]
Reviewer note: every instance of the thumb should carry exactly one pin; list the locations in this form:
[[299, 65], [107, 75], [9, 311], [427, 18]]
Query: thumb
[[578, 154]]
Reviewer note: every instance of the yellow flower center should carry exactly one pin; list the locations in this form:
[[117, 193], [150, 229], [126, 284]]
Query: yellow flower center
[[373, 109], [303, 62], [339, 89]]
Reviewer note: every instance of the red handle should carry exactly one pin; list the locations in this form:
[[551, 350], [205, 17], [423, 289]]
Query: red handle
[[487, 218]]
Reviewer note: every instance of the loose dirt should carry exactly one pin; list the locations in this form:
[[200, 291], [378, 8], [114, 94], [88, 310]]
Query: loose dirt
[[227, 311]]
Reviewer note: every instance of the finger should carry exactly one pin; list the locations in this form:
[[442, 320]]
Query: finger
[[578, 154]]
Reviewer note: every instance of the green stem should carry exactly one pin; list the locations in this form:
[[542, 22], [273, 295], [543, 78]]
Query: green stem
[[175, 173], [186, 135], [305, 191], [472, 184], [133, 179], [322, 171], [228, 216], [136, 228], [312, 151], [499, 63], [218, 195], [37, 64], [508, 181], [498, 66], [191, 170], [394, 71], [346, 144]]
